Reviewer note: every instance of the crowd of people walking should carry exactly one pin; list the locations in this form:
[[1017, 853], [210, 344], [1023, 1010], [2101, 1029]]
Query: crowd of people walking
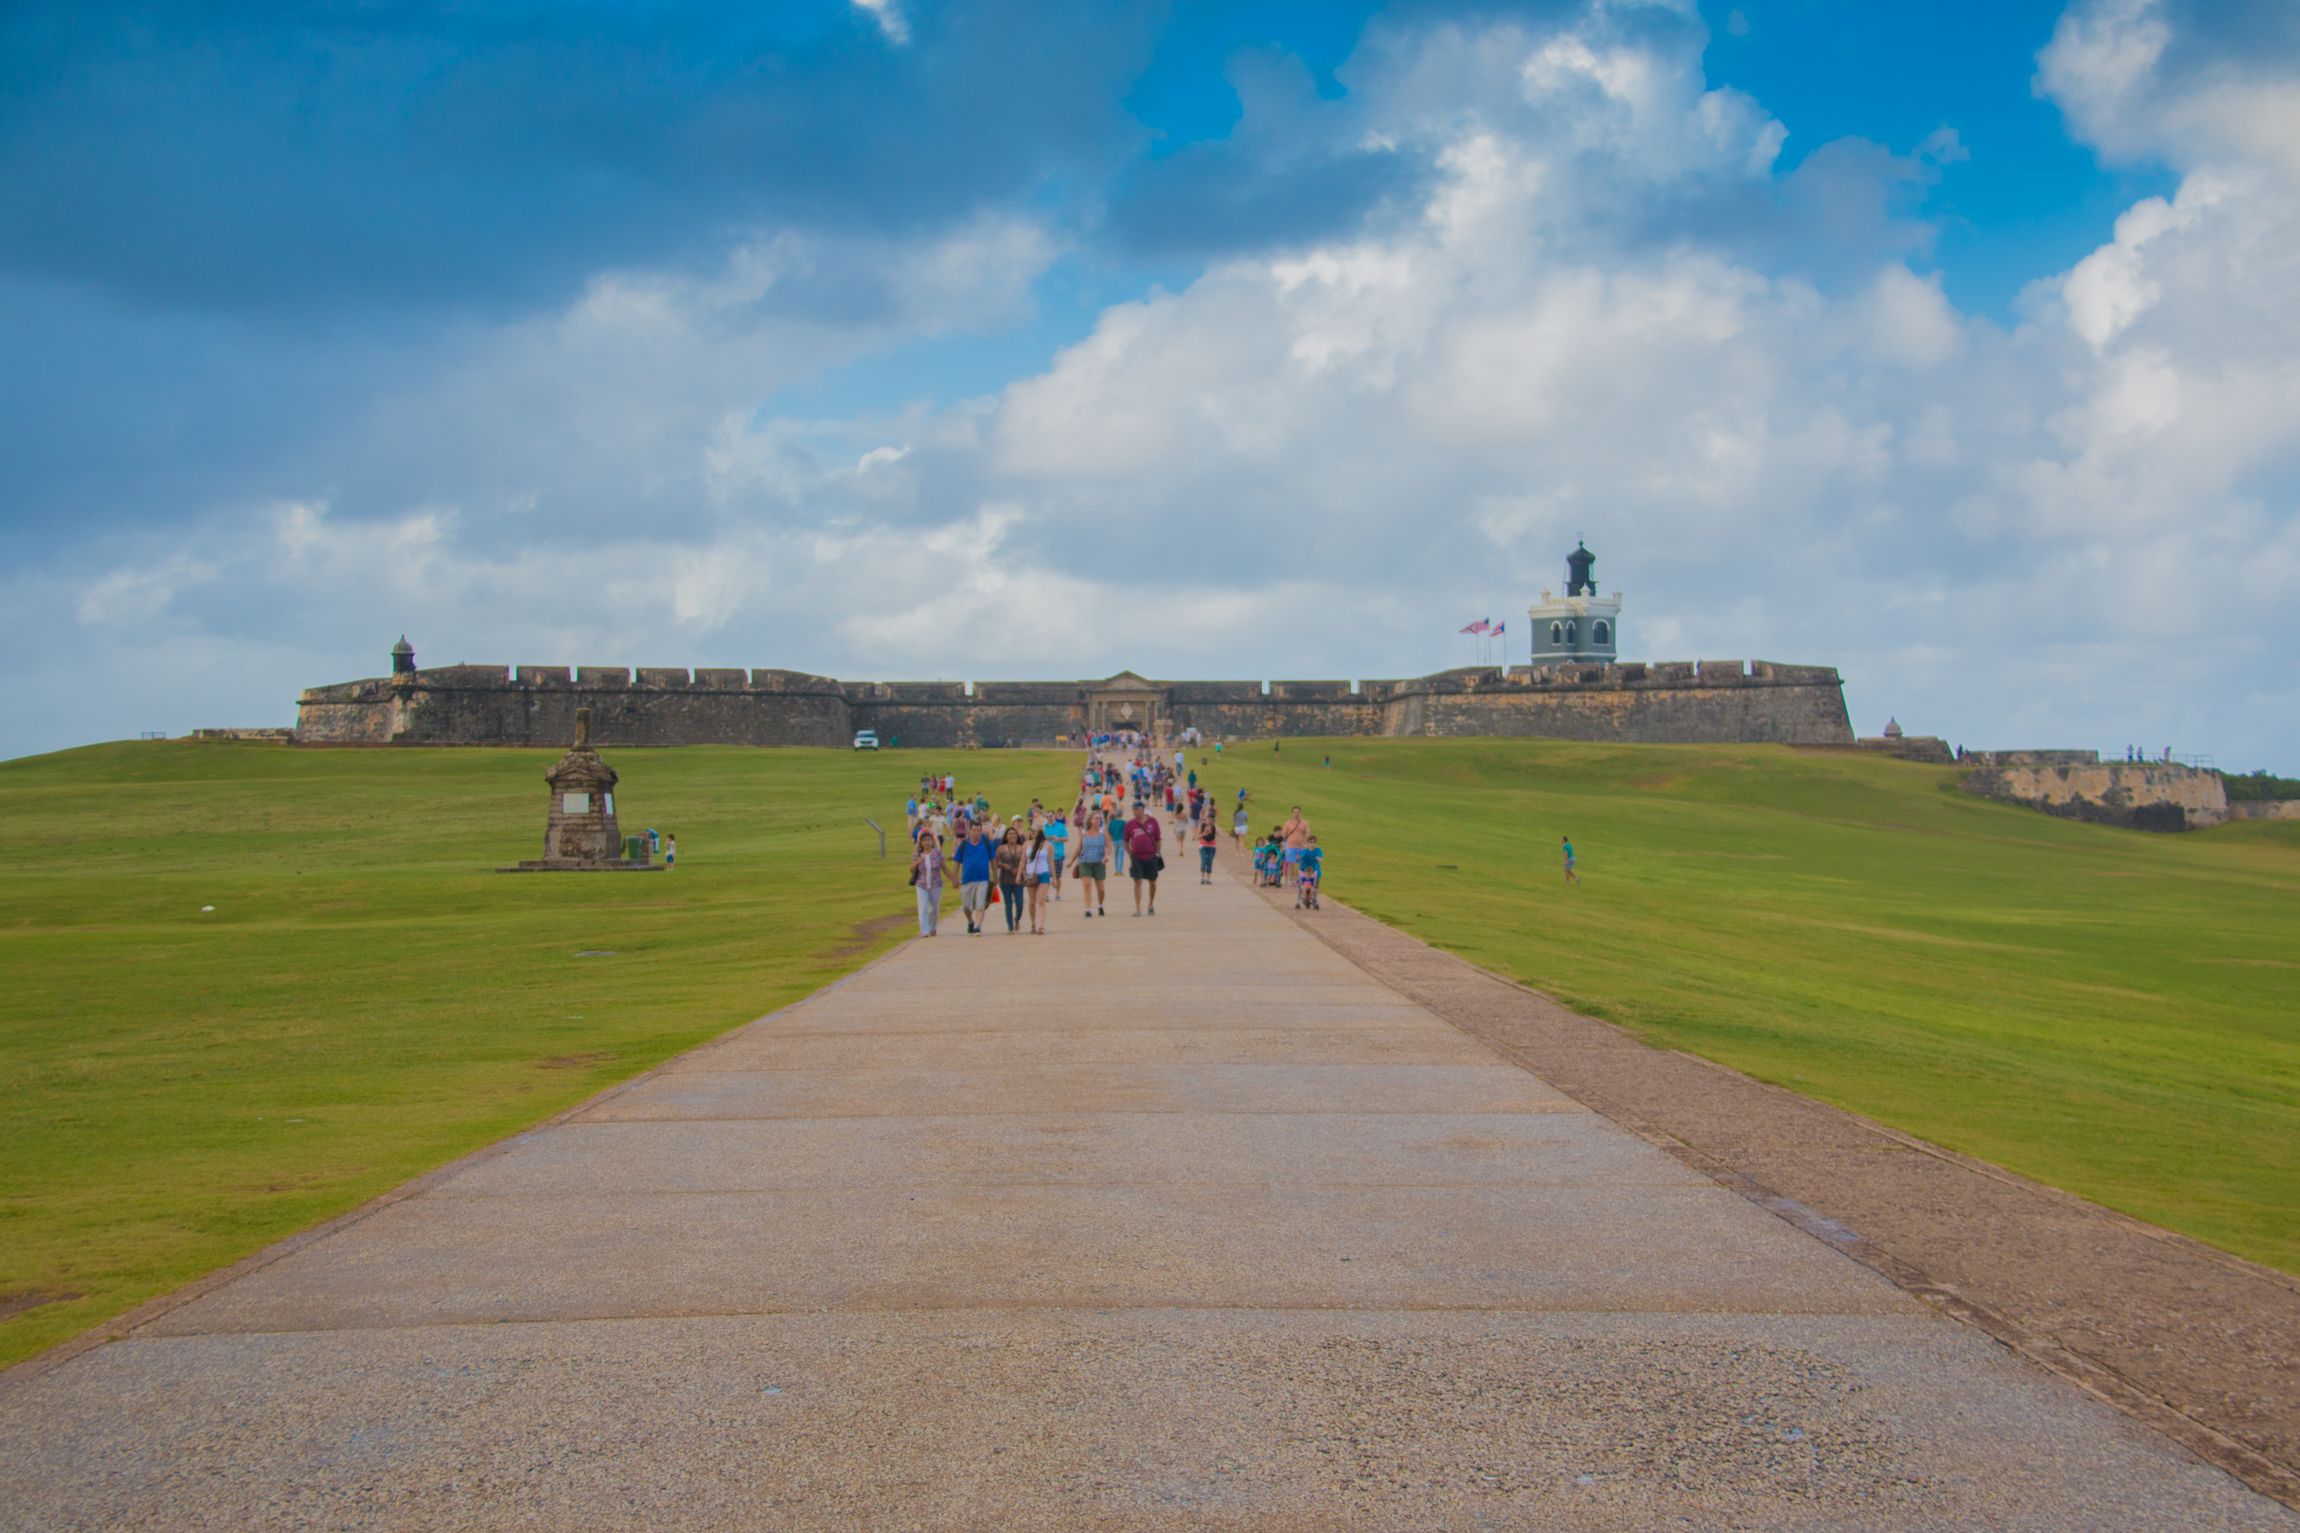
[[1132, 801]]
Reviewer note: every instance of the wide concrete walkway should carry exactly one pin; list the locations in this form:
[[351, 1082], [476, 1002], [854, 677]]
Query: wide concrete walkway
[[1172, 1223]]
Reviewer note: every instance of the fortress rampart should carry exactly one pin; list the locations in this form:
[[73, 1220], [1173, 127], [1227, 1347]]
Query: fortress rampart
[[1708, 701], [2078, 785]]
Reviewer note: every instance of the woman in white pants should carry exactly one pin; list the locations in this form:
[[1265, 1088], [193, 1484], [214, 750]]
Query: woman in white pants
[[926, 877]]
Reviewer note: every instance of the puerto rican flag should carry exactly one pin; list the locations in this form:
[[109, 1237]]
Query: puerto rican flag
[[1498, 629]]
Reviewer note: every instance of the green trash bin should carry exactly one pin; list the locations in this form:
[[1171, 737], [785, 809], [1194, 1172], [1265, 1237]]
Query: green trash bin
[[634, 848]]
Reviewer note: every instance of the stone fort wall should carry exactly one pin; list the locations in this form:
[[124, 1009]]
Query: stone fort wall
[[1683, 702], [2077, 785]]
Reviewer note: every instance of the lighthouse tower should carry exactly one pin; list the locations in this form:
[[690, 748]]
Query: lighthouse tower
[[1580, 625]]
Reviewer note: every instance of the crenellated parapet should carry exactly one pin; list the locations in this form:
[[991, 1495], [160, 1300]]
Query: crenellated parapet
[[1663, 701], [536, 705]]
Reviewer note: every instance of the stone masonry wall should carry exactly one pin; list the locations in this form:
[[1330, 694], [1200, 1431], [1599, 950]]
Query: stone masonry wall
[[1676, 715], [2152, 796], [483, 705], [1671, 702], [1243, 709]]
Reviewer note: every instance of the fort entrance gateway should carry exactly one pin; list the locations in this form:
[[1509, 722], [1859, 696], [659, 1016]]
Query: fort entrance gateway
[[1125, 701]]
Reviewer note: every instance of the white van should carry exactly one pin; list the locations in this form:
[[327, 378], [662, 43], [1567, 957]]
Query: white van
[[866, 739]]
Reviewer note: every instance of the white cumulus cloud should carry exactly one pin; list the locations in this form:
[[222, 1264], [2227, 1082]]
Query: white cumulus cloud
[[1322, 461]]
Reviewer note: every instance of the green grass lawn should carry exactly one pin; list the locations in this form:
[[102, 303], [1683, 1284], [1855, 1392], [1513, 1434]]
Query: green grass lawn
[[2105, 1010], [2113, 1012], [368, 1000]]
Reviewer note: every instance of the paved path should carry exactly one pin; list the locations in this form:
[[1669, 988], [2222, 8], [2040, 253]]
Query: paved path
[[1160, 1224]]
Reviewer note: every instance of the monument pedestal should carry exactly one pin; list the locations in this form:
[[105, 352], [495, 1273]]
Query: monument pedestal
[[580, 834]]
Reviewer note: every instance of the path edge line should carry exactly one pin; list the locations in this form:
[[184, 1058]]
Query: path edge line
[[2257, 1470], [123, 1326]]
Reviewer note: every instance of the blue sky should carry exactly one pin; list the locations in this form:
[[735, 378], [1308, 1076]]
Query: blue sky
[[1951, 344]]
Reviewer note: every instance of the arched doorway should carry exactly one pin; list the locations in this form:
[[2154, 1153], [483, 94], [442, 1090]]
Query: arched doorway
[[1124, 702]]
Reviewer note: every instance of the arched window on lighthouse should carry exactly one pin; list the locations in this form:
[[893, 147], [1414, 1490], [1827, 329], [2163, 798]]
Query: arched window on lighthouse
[[1569, 633], [1599, 633], [1557, 633]]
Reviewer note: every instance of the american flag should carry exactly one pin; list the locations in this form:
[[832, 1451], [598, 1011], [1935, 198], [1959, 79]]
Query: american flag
[[1482, 625]]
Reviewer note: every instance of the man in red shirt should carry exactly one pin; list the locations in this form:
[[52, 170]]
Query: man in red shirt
[[1142, 856]]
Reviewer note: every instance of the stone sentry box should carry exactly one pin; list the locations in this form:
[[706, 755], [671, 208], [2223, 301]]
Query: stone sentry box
[[580, 832]]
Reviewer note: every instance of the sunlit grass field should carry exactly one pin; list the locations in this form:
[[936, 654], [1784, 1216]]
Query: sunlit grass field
[[2113, 1012], [2105, 1010], [368, 999]]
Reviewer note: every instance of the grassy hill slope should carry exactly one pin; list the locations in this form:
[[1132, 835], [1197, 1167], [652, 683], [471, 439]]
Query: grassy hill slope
[[2108, 1011], [2113, 1012], [368, 999]]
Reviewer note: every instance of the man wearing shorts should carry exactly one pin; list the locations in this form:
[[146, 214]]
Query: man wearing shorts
[[1057, 842], [1142, 841], [1571, 877], [974, 877], [1297, 837]]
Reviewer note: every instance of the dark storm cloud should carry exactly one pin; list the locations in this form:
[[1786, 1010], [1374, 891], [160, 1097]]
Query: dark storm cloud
[[1208, 201], [245, 158], [2211, 33], [1295, 168], [1847, 208]]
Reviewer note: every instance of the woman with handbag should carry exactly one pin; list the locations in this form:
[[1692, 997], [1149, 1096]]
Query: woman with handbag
[[1007, 866]]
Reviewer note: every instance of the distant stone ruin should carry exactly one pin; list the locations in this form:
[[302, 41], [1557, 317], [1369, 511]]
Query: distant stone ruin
[[2078, 785]]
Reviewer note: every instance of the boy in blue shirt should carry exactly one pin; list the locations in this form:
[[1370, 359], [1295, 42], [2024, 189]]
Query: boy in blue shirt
[[1313, 867]]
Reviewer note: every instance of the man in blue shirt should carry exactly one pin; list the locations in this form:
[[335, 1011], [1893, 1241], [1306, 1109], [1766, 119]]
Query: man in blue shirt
[[974, 878]]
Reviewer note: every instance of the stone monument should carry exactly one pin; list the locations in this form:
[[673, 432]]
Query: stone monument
[[579, 833]]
